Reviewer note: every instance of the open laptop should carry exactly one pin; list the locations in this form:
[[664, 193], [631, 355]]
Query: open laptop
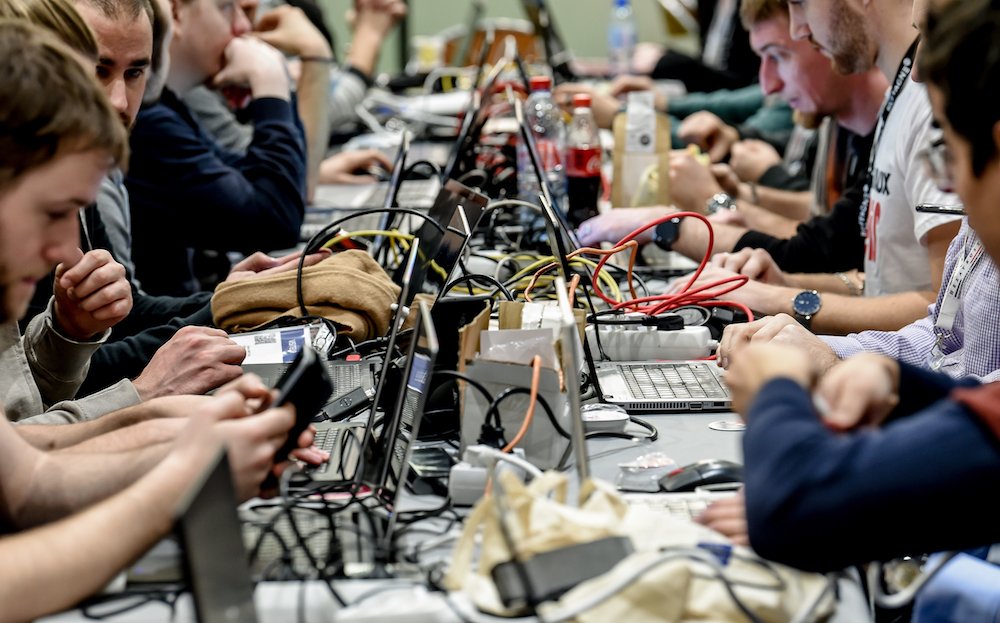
[[556, 52], [638, 386], [215, 561]]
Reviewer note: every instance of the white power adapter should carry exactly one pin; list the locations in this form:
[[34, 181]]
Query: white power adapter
[[467, 480], [628, 343]]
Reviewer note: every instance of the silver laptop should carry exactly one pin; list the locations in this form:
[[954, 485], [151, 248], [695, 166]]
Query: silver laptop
[[663, 386]]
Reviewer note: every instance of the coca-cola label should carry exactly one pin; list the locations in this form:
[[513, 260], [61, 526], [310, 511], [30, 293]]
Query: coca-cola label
[[583, 161], [549, 153]]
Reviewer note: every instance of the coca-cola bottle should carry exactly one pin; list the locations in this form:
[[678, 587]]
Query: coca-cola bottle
[[583, 162]]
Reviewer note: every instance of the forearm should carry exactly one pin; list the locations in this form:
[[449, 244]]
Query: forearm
[[135, 437], [766, 221], [840, 314], [819, 281], [791, 204], [58, 363], [54, 437], [313, 90], [62, 483], [53, 567], [364, 50], [692, 240]]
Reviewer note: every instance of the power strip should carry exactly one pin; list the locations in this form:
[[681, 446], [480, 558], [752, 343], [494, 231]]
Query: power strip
[[632, 343]]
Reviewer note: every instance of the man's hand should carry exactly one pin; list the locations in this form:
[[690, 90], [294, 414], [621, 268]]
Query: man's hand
[[92, 295], [614, 225], [604, 106], [728, 517], [351, 167], [252, 442], [288, 29], [782, 330], [754, 263], [860, 391], [727, 179], [760, 363], [261, 265], [194, 361], [751, 158], [692, 184], [252, 63], [709, 133], [377, 16]]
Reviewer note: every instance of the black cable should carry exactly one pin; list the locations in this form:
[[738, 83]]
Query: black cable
[[471, 278], [451, 374], [494, 408]]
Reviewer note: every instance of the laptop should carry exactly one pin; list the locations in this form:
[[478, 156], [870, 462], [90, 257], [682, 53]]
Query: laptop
[[638, 386], [349, 442], [556, 52], [678, 505], [214, 559]]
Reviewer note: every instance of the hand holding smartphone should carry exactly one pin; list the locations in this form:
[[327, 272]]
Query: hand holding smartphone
[[306, 385]]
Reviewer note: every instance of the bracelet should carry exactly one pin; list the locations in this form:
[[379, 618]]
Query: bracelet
[[318, 59], [852, 288]]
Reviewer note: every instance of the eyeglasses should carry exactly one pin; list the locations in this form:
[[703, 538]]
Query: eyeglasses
[[937, 161]]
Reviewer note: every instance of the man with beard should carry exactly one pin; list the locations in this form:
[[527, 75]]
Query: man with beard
[[874, 226]]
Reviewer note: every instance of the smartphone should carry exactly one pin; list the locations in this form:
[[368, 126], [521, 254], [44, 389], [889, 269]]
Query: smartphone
[[306, 385], [937, 208]]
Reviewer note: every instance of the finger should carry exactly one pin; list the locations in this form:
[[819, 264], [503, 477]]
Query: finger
[[102, 287], [89, 264], [75, 256], [311, 455]]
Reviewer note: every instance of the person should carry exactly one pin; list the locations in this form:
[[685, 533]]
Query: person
[[725, 61], [874, 226], [800, 75], [288, 29], [99, 510], [905, 442], [187, 195]]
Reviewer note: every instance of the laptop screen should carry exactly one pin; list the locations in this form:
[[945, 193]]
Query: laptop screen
[[215, 560]]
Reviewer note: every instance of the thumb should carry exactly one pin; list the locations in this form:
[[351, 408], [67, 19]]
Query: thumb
[[75, 256]]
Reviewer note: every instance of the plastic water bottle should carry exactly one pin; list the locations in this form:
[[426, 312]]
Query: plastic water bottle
[[545, 120], [583, 162], [621, 37]]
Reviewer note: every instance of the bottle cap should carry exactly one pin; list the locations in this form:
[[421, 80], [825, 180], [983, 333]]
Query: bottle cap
[[541, 83], [581, 100]]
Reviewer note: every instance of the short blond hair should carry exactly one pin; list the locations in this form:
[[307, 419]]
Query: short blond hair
[[752, 12], [50, 104], [60, 17]]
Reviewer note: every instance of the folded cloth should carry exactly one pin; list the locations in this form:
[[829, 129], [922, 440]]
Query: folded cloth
[[348, 288]]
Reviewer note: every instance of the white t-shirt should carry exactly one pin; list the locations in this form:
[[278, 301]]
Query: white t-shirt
[[896, 243]]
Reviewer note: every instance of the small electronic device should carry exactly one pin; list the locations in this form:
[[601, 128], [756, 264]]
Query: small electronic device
[[601, 417], [937, 208], [706, 472], [306, 386]]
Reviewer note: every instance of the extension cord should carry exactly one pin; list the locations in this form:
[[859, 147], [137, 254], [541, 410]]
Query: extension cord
[[632, 343], [412, 604], [467, 480]]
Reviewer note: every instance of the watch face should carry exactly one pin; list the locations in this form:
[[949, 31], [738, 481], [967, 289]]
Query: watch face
[[806, 303]]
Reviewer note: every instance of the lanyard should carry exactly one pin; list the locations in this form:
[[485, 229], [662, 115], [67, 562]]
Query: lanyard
[[952, 299], [902, 79]]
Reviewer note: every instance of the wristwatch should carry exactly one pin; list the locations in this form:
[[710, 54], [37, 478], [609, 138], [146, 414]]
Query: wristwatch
[[805, 305], [720, 201], [666, 233]]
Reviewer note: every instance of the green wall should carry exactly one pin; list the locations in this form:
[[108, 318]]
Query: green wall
[[583, 23]]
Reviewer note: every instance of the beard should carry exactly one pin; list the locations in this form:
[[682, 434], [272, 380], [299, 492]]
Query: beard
[[852, 53]]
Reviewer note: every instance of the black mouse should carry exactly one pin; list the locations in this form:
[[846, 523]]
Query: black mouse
[[706, 472]]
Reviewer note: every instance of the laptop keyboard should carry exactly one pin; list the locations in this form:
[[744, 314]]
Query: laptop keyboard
[[685, 506], [672, 380]]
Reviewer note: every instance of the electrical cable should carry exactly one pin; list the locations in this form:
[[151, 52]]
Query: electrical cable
[[470, 278], [536, 372]]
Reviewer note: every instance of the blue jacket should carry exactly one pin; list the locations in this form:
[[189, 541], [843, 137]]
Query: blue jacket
[[822, 501], [188, 194]]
